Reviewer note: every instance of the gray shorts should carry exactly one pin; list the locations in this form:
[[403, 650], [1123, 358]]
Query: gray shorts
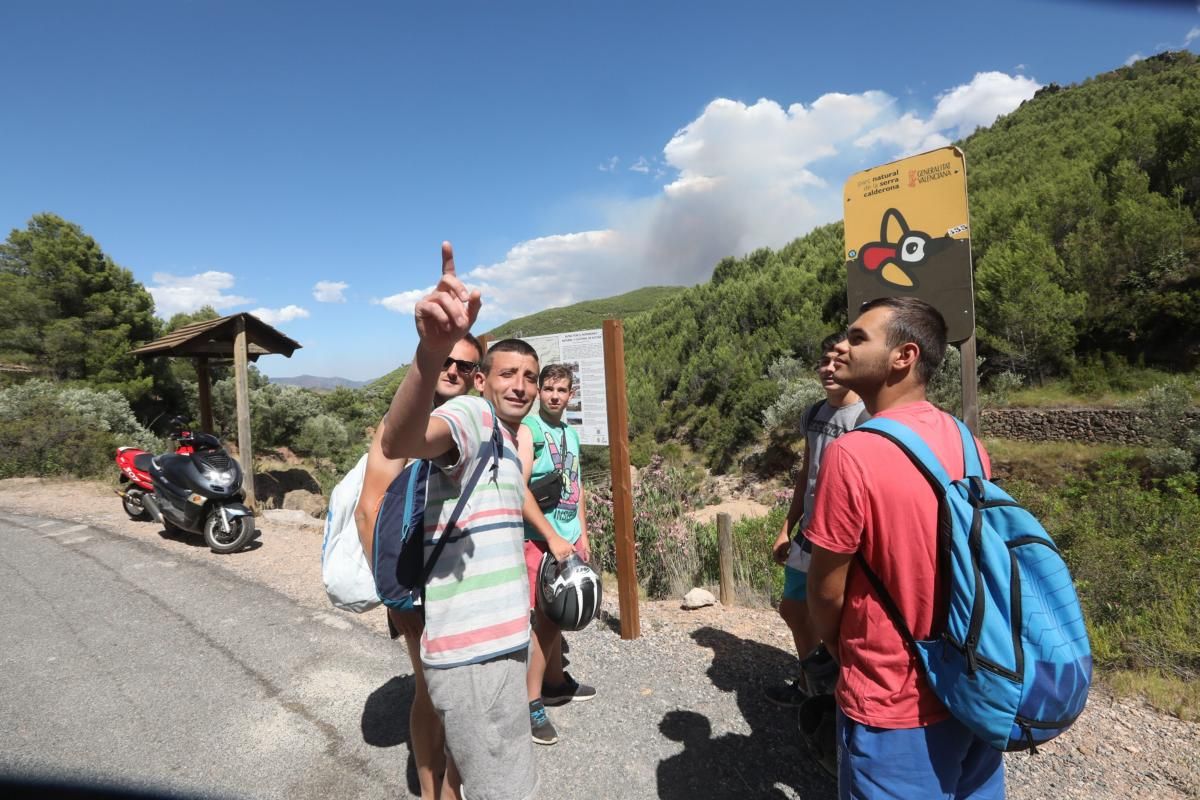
[[486, 716]]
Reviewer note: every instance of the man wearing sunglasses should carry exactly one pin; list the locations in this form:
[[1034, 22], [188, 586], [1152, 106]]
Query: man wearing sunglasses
[[425, 727]]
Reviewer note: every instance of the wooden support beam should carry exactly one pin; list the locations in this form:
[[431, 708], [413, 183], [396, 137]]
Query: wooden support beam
[[725, 556], [970, 384], [204, 382], [242, 384], [622, 489]]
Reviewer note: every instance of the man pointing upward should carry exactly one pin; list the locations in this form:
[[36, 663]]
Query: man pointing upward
[[476, 598]]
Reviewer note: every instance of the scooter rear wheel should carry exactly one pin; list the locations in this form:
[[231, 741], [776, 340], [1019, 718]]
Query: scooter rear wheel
[[241, 531], [131, 501]]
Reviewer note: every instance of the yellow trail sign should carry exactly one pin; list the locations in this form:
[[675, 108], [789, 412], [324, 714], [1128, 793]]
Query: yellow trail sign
[[908, 233]]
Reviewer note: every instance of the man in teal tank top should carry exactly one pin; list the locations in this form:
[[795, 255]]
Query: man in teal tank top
[[548, 445]]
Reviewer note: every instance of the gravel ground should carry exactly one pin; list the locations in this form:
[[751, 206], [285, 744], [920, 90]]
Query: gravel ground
[[680, 713]]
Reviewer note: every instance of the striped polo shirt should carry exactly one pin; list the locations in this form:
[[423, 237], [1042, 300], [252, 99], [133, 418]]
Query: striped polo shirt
[[477, 595]]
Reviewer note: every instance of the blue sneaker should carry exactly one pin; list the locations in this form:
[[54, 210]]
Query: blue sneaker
[[540, 725]]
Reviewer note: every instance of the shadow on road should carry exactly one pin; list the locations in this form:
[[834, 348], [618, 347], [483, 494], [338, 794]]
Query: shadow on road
[[385, 721], [197, 539], [770, 761]]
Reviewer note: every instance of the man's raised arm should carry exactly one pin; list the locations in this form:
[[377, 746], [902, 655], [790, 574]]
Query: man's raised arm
[[442, 317]]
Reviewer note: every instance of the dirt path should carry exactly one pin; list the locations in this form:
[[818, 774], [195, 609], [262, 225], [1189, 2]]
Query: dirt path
[[1119, 748]]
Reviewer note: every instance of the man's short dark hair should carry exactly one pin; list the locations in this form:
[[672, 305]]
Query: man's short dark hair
[[471, 340], [830, 341], [914, 320], [556, 372], [519, 346]]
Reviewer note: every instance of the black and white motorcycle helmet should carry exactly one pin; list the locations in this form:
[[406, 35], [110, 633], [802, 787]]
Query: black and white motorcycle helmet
[[569, 592]]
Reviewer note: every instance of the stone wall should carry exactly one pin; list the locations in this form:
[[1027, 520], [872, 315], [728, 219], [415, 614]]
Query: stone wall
[[1116, 425]]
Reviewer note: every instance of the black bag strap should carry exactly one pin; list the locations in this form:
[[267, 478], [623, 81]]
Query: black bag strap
[[885, 599], [494, 448]]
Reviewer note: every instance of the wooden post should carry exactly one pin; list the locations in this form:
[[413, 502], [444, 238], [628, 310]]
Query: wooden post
[[204, 382], [241, 357], [725, 556], [970, 384], [622, 490], [484, 342]]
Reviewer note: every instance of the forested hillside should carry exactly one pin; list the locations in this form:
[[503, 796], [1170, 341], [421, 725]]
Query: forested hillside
[[588, 315], [1084, 209]]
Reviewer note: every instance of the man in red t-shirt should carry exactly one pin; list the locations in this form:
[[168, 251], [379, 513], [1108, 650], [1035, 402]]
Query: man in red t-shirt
[[895, 738]]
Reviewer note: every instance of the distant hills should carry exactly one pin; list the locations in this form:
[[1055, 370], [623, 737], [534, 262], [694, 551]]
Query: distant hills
[[318, 383], [587, 315]]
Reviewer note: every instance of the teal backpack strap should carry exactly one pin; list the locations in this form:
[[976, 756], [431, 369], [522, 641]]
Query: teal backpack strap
[[913, 446], [972, 463]]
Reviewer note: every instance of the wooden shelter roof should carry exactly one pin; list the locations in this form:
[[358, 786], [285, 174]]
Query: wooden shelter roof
[[214, 339]]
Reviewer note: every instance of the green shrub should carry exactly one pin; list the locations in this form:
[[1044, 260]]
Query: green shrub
[[1134, 552], [46, 429], [1089, 378], [798, 389], [1001, 387]]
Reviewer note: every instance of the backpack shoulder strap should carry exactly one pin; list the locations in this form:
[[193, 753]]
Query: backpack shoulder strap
[[972, 462], [452, 520], [912, 446], [810, 413]]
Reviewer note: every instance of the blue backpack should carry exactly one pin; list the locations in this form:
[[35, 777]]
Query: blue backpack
[[400, 567], [1010, 656]]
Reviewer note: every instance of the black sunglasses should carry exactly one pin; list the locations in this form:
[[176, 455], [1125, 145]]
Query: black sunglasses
[[465, 367]]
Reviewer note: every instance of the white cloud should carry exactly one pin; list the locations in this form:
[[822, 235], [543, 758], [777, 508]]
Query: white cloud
[[1133, 59], [958, 113], [1192, 35], [330, 291], [274, 316], [610, 165], [739, 176], [403, 302], [641, 165], [174, 294]]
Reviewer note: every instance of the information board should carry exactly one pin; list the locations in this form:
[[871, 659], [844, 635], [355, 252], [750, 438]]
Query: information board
[[583, 352]]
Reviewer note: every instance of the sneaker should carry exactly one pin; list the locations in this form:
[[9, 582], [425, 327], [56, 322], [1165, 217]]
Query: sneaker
[[572, 690], [540, 725], [789, 694], [817, 720]]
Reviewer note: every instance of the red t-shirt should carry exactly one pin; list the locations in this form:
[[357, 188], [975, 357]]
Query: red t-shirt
[[870, 498]]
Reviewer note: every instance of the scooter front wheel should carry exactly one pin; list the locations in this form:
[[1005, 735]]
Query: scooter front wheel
[[241, 531], [131, 501]]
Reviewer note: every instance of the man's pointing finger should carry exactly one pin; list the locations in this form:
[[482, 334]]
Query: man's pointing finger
[[448, 269]]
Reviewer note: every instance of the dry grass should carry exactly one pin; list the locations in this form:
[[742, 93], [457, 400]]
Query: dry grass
[[1046, 463], [1166, 693]]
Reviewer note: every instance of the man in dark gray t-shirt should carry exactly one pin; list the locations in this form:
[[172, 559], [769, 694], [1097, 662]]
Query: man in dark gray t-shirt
[[824, 421]]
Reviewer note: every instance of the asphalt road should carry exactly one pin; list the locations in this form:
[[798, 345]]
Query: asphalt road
[[122, 664]]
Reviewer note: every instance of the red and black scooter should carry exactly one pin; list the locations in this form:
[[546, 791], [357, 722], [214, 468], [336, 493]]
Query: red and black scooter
[[196, 489]]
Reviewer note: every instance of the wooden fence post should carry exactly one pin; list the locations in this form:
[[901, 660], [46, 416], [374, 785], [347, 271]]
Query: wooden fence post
[[241, 358], [622, 489], [725, 556]]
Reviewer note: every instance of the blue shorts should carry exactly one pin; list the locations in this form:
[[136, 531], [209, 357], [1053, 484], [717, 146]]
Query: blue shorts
[[943, 760], [795, 584]]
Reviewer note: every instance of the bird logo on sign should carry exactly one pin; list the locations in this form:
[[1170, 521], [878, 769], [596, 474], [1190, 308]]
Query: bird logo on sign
[[899, 252]]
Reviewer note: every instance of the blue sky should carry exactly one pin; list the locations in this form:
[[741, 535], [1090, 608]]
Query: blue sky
[[305, 160]]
